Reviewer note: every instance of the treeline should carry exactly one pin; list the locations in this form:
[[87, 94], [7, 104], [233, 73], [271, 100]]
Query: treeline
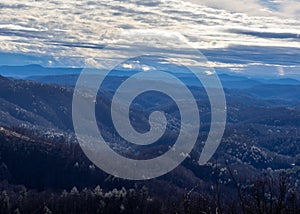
[[266, 196], [87, 201]]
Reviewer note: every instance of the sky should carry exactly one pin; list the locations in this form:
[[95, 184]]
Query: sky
[[253, 37]]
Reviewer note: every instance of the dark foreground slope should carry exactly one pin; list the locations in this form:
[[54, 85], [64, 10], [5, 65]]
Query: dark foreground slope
[[44, 177]]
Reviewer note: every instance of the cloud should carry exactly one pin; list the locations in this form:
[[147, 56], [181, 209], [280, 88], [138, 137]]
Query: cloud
[[250, 7], [282, 8], [267, 34], [137, 66], [290, 8], [281, 71], [72, 31], [12, 6]]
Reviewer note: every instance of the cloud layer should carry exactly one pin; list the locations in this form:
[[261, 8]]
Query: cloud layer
[[78, 30]]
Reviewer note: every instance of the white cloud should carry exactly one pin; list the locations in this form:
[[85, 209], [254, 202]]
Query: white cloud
[[250, 7], [137, 66], [290, 8], [281, 71], [128, 66], [280, 8]]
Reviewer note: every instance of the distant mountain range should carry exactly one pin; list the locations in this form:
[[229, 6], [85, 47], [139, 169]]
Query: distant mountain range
[[35, 70], [68, 77], [41, 103]]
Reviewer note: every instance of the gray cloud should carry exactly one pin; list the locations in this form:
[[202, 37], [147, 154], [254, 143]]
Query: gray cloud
[[268, 35], [12, 6]]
